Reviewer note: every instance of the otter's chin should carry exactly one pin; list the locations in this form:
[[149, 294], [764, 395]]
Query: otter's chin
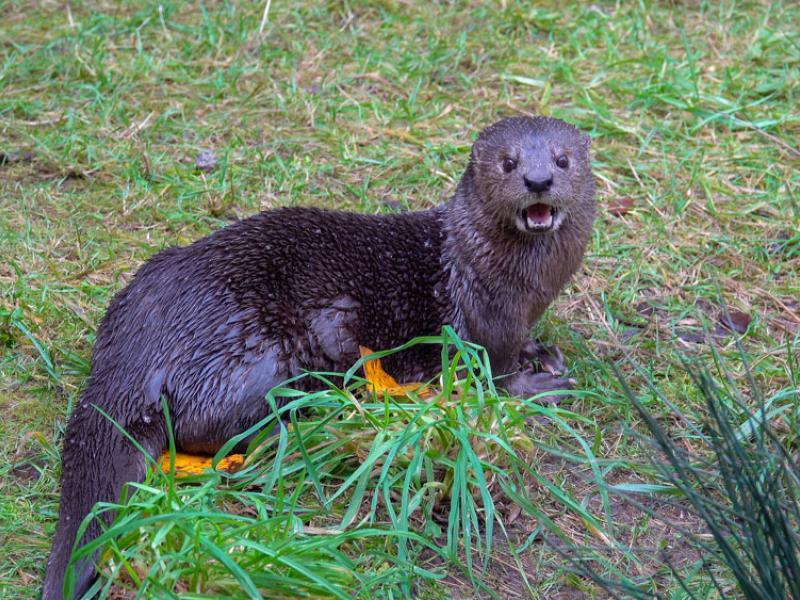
[[539, 218]]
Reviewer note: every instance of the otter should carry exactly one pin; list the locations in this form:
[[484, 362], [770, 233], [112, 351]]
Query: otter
[[213, 326]]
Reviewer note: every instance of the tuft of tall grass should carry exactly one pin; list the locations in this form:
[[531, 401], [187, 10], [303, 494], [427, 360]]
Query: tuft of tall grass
[[741, 480], [345, 492]]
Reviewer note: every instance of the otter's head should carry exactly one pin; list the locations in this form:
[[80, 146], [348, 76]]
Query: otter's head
[[530, 173]]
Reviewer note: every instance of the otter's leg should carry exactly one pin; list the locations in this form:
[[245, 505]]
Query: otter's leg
[[211, 412], [97, 461], [213, 405]]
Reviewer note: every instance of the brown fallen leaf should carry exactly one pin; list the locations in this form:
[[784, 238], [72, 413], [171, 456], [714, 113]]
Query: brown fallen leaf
[[381, 382], [620, 206], [736, 320], [691, 335]]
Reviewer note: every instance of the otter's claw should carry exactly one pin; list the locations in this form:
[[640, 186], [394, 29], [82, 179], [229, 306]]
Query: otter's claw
[[546, 358]]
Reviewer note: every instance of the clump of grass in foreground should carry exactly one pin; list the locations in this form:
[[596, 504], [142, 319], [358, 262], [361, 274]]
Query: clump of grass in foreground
[[741, 480], [344, 493]]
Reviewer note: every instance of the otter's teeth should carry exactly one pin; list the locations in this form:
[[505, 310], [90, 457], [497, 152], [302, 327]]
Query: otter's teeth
[[540, 224], [539, 216]]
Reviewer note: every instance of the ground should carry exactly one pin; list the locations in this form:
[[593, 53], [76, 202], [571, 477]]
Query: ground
[[126, 128]]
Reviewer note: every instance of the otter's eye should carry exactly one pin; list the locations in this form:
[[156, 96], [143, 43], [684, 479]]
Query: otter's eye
[[562, 162], [509, 164]]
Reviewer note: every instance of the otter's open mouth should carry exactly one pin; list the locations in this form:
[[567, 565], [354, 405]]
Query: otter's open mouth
[[538, 218]]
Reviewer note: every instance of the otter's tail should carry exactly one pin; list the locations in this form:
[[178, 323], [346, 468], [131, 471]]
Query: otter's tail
[[97, 461]]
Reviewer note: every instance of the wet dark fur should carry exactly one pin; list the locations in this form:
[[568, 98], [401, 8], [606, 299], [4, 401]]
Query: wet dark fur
[[213, 326]]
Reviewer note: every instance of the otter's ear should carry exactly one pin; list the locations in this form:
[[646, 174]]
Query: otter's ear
[[475, 153], [587, 141]]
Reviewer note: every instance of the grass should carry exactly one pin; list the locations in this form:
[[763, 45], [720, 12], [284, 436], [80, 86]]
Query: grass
[[372, 107], [420, 474], [740, 480], [425, 476]]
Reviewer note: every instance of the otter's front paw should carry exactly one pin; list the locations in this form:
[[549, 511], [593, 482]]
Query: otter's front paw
[[546, 358], [527, 383]]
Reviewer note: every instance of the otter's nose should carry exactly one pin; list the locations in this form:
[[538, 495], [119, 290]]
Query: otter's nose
[[538, 183]]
